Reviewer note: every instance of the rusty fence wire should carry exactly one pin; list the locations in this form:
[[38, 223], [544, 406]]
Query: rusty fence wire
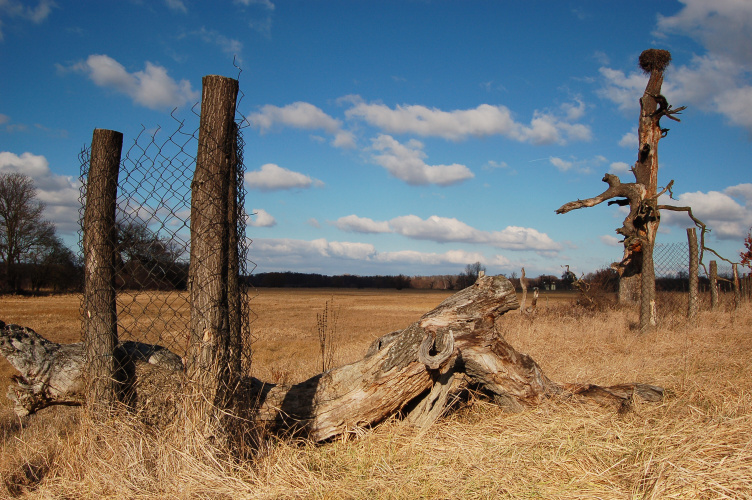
[[152, 240]]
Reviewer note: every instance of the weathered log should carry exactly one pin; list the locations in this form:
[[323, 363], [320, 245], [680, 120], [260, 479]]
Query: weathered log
[[411, 373], [392, 379], [54, 374]]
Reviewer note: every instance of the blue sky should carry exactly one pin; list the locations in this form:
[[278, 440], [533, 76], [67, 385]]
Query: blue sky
[[387, 137]]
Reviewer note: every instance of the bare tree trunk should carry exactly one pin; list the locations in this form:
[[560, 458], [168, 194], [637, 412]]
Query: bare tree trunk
[[629, 289], [713, 285], [694, 274], [648, 310], [208, 360], [649, 133], [100, 313], [641, 224]]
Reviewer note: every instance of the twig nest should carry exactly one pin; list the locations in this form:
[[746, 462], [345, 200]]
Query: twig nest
[[654, 60]]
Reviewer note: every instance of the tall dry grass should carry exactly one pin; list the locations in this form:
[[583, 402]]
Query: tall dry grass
[[697, 443]]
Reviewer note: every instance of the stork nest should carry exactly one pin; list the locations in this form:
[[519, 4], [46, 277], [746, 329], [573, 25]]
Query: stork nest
[[654, 60]]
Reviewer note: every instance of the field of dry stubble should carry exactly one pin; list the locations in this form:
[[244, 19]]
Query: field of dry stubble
[[697, 443]]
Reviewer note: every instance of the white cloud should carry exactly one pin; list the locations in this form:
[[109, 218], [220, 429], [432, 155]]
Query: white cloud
[[619, 167], [493, 165], [446, 230], [272, 177], [723, 26], [443, 229], [355, 224], [261, 218], [420, 120], [499, 261], [630, 140], [611, 241], [304, 116], [14, 9], [229, 46], [286, 247], [621, 89], [264, 3], [484, 120], [59, 193], [453, 257], [561, 165], [722, 212], [406, 162], [717, 81], [711, 83], [740, 191], [345, 256], [575, 110], [21, 10], [152, 87], [176, 5], [581, 166]]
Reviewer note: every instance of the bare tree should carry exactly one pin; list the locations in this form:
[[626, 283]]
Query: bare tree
[[52, 264], [143, 259], [470, 276], [22, 228], [641, 224]]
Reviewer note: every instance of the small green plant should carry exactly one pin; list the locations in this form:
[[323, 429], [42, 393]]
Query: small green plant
[[326, 325]]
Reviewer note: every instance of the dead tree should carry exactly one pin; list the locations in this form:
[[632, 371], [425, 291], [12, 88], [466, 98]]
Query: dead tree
[[413, 372], [641, 224]]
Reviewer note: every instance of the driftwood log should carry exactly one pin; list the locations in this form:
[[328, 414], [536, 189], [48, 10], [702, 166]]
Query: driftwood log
[[412, 372]]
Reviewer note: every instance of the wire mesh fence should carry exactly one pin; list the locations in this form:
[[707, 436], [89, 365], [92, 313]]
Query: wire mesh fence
[[671, 262], [159, 281]]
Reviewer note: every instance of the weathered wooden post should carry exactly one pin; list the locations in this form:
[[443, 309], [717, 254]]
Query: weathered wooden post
[[694, 272], [737, 292], [212, 222], [100, 313], [713, 285]]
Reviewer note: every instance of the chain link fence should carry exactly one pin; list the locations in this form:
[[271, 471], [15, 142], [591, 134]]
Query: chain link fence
[[671, 262], [157, 277]]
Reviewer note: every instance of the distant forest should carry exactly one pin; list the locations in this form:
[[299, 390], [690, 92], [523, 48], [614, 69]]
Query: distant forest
[[66, 275]]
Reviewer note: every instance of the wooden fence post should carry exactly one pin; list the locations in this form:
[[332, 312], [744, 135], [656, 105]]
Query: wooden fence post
[[737, 292], [234, 288], [713, 285], [694, 271], [209, 365], [100, 313]]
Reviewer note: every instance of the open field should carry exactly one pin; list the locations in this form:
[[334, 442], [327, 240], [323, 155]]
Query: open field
[[696, 444]]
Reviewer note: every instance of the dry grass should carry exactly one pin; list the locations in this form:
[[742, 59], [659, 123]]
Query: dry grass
[[695, 444]]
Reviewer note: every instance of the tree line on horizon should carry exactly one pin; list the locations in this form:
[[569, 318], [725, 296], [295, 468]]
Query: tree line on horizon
[[33, 258]]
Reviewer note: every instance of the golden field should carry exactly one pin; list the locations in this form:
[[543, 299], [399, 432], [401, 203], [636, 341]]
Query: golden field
[[697, 443]]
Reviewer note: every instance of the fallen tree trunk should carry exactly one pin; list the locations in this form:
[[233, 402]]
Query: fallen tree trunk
[[413, 373], [54, 374]]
